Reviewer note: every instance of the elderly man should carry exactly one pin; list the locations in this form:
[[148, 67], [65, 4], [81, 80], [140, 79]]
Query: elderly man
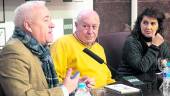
[[26, 68], [67, 51]]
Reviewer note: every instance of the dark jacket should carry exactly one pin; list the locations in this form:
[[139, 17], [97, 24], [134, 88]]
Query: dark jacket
[[138, 57]]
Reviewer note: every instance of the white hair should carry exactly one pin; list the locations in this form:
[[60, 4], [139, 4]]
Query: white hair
[[24, 11], [85, 13]]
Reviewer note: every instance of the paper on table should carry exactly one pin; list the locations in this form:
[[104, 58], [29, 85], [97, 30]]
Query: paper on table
[[123, 89]]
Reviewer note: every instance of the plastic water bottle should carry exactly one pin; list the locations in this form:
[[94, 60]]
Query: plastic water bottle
[[166, 80], [82, 90]]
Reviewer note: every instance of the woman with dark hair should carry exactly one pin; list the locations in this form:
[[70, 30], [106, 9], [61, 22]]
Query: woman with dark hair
[[145, 44]]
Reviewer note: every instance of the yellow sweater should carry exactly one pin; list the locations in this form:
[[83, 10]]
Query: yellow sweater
[[67, 52]]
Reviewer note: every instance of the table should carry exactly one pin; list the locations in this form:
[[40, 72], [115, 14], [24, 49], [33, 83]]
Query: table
[[151, 85]]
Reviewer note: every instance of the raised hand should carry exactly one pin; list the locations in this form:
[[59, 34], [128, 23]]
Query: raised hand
[[70, 83], [157, 39]]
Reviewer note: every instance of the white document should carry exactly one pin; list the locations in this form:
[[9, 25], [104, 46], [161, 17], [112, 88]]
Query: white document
[[123, 89]]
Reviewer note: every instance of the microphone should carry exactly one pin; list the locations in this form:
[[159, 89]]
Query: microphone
[[93, 55], [97, 58]]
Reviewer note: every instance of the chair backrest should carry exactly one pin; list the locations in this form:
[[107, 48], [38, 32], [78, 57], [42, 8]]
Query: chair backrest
[[113, 45]]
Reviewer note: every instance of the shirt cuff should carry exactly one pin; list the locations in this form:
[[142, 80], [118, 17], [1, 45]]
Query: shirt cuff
[[154, 47], [65, 91]]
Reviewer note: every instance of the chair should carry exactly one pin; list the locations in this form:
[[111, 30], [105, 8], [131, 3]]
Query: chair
[[113, 44]]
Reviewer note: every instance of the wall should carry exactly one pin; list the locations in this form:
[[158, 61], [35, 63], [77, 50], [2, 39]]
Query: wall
[[115, 15], [59, 10]]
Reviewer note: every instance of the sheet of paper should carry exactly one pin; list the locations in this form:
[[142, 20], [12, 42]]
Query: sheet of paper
[[123, 89]]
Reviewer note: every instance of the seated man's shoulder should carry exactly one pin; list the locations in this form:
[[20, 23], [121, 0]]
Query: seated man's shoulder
[[64, 38], [16, 47], [98, 45]]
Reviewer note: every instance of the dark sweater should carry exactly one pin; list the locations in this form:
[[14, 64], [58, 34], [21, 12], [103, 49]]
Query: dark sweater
[[138, 57]]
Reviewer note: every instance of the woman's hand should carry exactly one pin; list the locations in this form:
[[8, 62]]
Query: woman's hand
[[157, 39]]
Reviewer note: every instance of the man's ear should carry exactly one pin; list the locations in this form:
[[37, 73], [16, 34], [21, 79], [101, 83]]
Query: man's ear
[[27, 26]]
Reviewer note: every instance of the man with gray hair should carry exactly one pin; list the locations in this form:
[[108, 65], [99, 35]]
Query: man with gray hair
[[26, 68], [67, 51]]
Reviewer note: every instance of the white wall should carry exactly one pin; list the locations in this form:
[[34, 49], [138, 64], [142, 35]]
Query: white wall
[[58, 9]]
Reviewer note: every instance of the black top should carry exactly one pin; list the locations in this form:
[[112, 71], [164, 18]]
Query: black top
[[138, 57]]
